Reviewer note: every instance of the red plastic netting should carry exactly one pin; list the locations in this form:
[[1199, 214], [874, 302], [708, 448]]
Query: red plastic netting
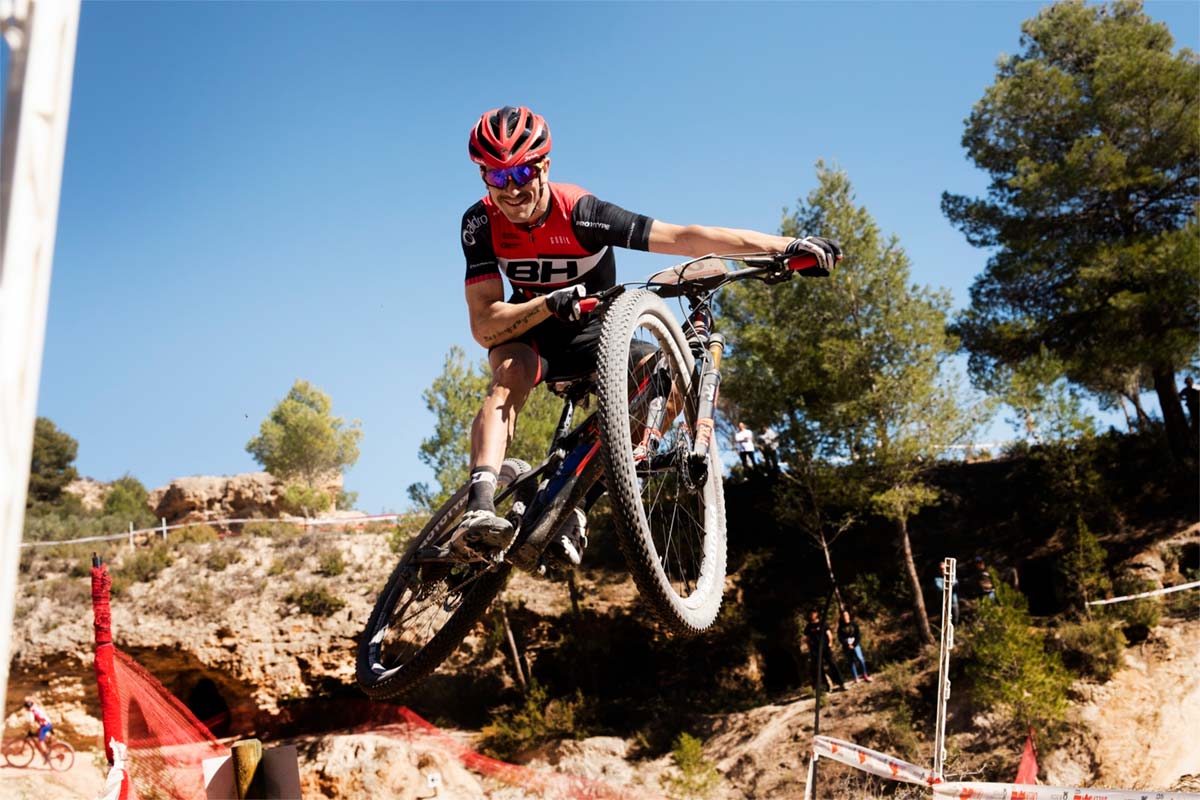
[[165, 743]]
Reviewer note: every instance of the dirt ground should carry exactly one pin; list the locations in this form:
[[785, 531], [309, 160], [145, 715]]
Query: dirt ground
[[38, 782]]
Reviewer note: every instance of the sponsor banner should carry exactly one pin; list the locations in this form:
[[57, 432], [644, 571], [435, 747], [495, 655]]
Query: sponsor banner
[[872, 761], [1008, 791], [1164, 590]]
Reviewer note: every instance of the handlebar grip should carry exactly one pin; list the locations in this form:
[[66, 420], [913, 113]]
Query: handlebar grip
[[801, 262], [588, 304]]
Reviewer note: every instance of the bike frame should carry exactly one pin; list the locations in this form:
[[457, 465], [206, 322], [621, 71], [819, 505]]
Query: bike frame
[[571, 460]]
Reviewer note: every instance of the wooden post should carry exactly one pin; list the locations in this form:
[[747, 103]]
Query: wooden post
[[248, 779], [164, 528], [131, 534]]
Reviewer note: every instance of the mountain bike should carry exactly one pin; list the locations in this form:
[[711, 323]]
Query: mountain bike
[[20, 752], [651, 441]]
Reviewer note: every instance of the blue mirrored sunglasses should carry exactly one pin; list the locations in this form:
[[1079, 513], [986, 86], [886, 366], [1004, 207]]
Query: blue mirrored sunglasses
[[520, 174]]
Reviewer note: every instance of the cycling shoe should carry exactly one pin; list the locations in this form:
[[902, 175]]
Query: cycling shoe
[[482, 532]]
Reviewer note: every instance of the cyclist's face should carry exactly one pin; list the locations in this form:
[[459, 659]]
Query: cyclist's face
[[523, 204]]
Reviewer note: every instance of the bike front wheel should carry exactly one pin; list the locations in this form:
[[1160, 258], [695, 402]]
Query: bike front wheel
[[61, 757], [670, 508], [428, 606]]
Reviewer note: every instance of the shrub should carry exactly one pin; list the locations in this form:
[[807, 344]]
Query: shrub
[[330, 562], [290, 562], [1092, 649], [314, 599], [304, 501], [220, 557], [127, 498], [698, 777], [1138, 616], [194, 534], [271, 530], [141, 566], [536, 721], [1009, 668]]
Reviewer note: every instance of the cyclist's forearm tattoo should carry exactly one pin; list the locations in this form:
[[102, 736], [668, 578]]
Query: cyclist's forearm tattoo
[[516, 326]]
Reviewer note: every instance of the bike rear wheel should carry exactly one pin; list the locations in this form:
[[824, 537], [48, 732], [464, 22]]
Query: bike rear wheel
[[427, 608], [61, 757], [670, 517], [19, 752]]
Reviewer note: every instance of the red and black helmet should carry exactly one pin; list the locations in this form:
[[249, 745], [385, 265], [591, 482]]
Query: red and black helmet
[[506, 137]]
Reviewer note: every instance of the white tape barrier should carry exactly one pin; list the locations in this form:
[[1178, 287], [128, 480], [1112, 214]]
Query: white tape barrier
[[315, 523], [1166, 590], [1010, 791], [872, 761]]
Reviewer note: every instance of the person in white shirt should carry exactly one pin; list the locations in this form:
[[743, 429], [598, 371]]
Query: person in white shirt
[[770, 447], [744, 438]]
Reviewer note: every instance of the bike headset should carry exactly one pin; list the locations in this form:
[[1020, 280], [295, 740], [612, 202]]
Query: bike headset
[[509, 136]]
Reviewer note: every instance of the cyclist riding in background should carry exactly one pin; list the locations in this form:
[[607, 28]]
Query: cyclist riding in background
[[553, 241], [42, 720]]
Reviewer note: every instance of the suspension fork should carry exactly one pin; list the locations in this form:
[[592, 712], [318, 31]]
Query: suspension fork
[[710, 382]]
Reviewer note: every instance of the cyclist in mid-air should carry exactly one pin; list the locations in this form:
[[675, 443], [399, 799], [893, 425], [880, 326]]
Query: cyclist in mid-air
[[553, 241], [42, 720]]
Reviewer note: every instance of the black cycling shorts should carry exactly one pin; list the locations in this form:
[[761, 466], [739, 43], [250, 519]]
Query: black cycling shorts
[[563, 349], [567, 350]]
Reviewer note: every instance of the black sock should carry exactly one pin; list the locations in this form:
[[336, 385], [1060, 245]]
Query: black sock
[[483, 490]]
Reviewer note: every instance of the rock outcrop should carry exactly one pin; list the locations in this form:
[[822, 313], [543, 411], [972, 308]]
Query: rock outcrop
[[91, 493], [204, 498]]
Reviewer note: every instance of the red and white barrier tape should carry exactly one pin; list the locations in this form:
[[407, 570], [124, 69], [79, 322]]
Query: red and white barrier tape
[[315, 523], [1164, 590], [872, 761], [1009, 791]]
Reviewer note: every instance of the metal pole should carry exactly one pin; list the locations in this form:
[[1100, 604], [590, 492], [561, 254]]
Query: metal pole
[[41, 43], [820, 681], [947, 644]]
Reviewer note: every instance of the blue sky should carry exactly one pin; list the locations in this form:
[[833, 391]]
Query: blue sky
[[255, 193]]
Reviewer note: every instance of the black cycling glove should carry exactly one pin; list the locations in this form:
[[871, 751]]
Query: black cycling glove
[[564, 303], [826, 251]]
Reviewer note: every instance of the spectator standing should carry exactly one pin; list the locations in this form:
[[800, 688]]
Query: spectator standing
[[1190, 396], [820, 648], [985, 587], [770, 447], [744, 438], [851, 638]]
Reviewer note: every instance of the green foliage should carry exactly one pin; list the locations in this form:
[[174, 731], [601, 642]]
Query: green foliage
[[271, 530], [1010, 670], [330, 562], [1091, 648], [194, 534], [301, 439], [289, 563], [141, 566], [1082, 566], [345, 500], [127, 498], [314, 599], [304, 501], [221, 556], [537, 720], [1088, 135], [698, 776], [454, 398], [856, 361], [50, 469], [1138, 617]]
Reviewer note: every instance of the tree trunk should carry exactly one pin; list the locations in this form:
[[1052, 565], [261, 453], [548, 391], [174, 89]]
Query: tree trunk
[[512, 649], [1125, 411], [915, 581], [1142, 416], [1172, 411], [829, 566]]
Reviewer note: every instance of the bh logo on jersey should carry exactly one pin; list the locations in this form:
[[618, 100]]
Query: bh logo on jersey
[[548, 271]]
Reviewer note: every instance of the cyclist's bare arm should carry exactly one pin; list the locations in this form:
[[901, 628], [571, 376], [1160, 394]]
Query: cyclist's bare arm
[[494, 321], [699, 240]]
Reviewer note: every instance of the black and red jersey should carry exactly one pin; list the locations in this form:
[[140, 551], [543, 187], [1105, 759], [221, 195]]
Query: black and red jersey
[[572, 245]]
